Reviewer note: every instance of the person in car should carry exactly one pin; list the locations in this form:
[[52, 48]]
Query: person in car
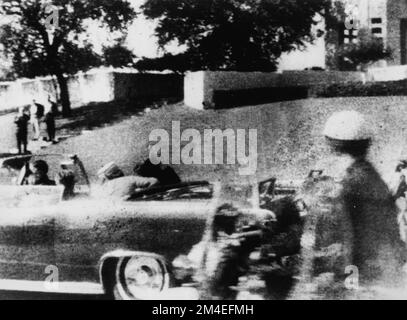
[[109, 172], [220, 259], [66, 178], [164, 174], [39, 174], [114, 184]]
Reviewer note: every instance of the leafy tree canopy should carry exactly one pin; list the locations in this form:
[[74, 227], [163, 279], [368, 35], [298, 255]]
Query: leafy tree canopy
[[118, 56], [27, 40], [241, 35]]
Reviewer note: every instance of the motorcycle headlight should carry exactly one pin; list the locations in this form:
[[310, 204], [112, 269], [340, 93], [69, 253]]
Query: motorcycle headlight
[[143, 277]]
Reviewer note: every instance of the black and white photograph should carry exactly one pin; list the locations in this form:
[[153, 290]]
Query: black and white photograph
[[225, 151]]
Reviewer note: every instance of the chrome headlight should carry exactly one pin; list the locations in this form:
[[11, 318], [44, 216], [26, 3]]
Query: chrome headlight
[[142, 277]]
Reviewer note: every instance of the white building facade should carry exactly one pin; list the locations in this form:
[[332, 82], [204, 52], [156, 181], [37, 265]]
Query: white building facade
[[386, 19]]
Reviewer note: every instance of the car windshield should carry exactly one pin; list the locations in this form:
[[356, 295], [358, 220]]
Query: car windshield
[[241, 195], [183, 191]]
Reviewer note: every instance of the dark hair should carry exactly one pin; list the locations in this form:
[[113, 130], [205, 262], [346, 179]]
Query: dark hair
[[225, 219], [66, 178], [41, 165], [145, 169]]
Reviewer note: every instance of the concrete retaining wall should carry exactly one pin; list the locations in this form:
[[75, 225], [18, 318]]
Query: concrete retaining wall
[[314, 78], [392, 73], [144, 85], [200, 87], [94, 86]]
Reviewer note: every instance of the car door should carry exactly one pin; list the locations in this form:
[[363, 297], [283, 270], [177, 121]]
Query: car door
[[168, 223]]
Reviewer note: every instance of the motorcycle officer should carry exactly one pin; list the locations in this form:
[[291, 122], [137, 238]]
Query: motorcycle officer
[[351, 231]]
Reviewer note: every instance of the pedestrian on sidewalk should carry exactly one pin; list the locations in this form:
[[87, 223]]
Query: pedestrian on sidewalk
[[21, 121]]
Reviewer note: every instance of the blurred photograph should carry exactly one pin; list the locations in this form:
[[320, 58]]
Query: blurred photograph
[[216, 150]]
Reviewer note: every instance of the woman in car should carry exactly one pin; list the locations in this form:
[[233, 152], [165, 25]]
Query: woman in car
[[39, 174], [114, 184]]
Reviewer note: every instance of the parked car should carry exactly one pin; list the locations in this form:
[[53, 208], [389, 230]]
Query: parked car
[[107, 247]]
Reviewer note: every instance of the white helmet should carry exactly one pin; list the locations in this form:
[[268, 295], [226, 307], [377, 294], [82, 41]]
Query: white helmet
[[347, 126]]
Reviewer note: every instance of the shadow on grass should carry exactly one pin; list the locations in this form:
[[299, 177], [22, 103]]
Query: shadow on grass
[[97, 115]]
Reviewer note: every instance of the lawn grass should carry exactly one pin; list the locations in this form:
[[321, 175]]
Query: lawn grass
[[289, 135]]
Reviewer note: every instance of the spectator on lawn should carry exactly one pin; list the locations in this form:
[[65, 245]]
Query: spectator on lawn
[[49, 120], [21, 122], [53, 105]]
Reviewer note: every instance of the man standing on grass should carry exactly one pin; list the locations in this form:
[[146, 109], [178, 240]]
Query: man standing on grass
[[21, 122], [49, 120]]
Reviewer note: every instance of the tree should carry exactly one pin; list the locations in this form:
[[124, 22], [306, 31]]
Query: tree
[[335, 16], [243, 35], [179, 63], [43, 36], [367, 50]]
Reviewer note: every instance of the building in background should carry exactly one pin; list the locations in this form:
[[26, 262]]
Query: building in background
[[372, 15], [397, 30], [385, 19]]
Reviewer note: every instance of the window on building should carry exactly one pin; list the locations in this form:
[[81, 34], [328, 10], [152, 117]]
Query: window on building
[[376, 20], [350, 36], [377, 31]]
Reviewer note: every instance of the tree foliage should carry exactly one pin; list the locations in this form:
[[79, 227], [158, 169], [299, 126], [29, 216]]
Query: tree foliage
[[367, 50], [118, 56], [26, 39], [178, 63], [242, 35]]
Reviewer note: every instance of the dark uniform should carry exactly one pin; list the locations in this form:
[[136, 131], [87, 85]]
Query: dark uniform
[[352, 221], [164, 174], [220, 259], [49, 120], [21, 122], [351, 237]]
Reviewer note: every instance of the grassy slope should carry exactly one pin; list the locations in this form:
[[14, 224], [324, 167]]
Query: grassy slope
[[289, 140]]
